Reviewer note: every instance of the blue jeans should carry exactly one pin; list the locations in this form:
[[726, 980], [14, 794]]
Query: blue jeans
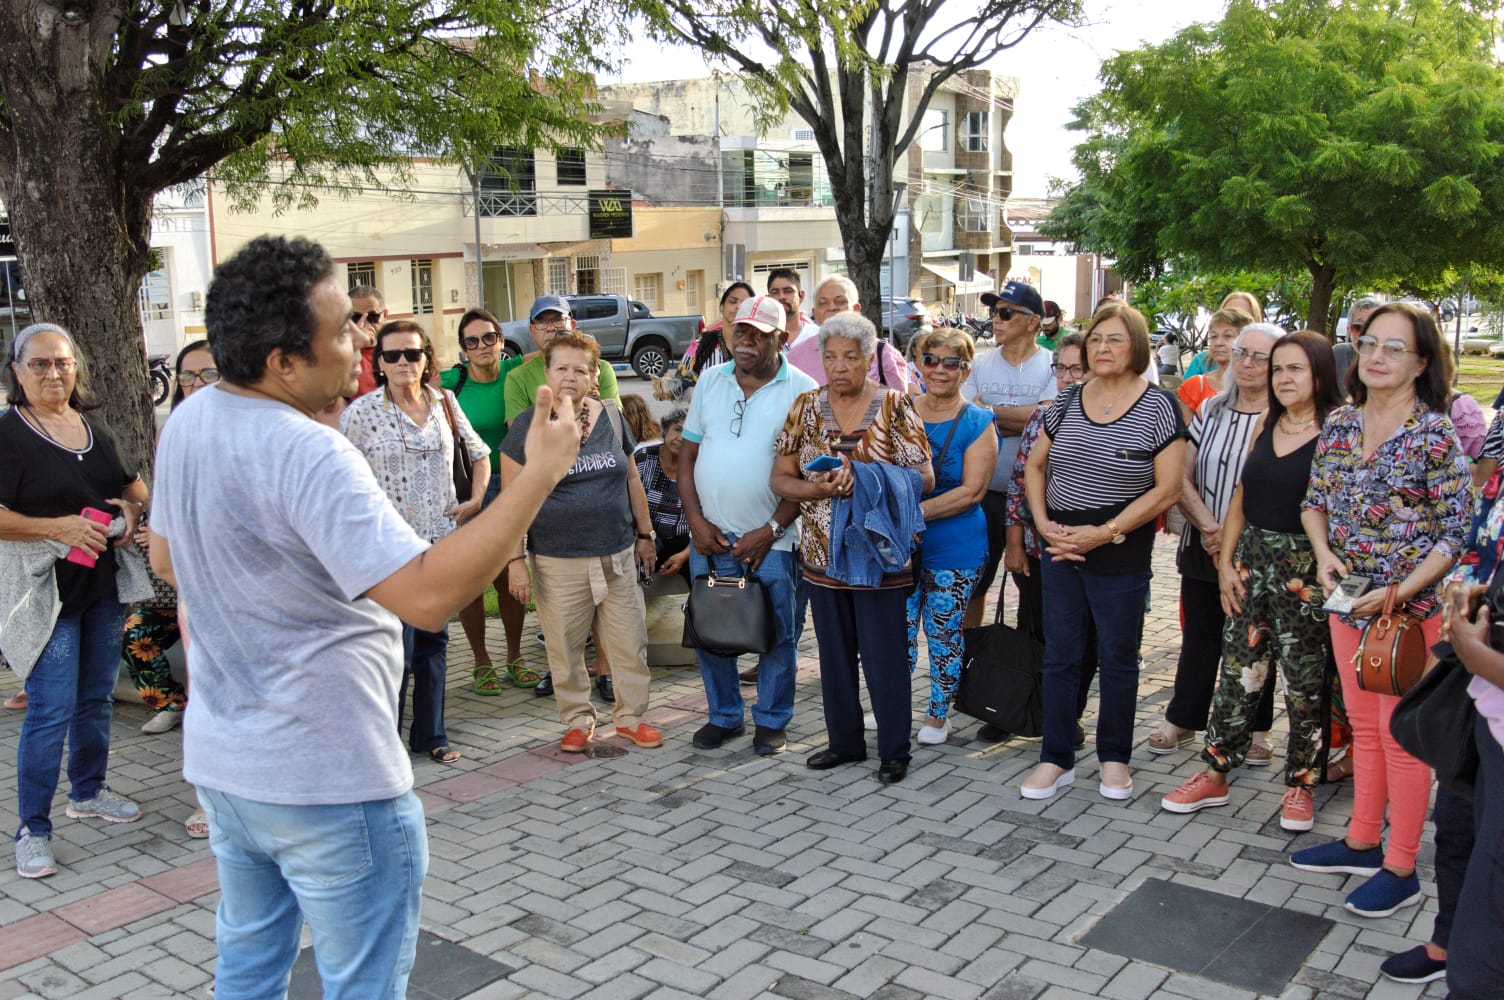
[[775, 668], [70, 694], [425, 661], [1115, 601], [353, 871]]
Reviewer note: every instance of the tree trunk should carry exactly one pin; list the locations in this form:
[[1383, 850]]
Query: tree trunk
[[864, 250], [84, 279], [1323, 286]]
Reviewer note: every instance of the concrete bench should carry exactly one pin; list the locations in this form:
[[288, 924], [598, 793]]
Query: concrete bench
[[665, 613]]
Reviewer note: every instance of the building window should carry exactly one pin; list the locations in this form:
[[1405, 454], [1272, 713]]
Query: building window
[[509, 184], [934, 132], [558, 276], [571, 164], [976, 216], [360, 272], [974, 131], [422, 287], [648, 289], [156, 295], [587, 274]]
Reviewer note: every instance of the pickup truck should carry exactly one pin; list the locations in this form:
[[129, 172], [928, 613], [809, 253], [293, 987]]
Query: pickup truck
[[626, 330]]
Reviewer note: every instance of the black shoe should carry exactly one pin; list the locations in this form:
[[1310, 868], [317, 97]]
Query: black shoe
[[710, 736], [748, 676], [605, 687], [545, 686], [767, 741], [992, 734], [826, 759], [1078, 738], [1413, 966], [892, 771]]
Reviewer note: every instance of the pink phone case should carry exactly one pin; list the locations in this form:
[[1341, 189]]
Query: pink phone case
[[84, 557]]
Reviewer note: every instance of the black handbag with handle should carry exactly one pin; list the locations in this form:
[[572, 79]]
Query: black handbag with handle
[[462, 463], [1435, 721], [729, 615], [1000, 674]]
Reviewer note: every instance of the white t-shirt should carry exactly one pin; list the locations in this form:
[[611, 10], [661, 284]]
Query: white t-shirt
[[277, 528], [994, 382]]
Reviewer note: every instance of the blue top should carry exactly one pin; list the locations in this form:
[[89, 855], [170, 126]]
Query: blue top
[[958, 541]]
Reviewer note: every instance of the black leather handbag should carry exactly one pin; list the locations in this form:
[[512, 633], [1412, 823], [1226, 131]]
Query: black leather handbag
[[729, 615], [1435, 722], [1000, 674], [462, 465]]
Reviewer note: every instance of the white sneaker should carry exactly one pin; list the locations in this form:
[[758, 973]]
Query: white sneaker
[[1047, 791], [163, 722], [869, 722], [933, 735]]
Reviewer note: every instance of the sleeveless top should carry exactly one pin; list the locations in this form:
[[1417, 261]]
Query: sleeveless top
[[1274, 486]]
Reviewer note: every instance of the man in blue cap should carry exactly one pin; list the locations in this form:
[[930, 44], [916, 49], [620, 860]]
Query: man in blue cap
[[549, 317]]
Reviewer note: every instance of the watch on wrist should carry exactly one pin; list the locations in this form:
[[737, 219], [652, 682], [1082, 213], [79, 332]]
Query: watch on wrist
[[644, 537], [777, 529], [1118, 538]]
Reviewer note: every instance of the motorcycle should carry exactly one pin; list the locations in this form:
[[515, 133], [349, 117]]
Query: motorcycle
[[160, 373]]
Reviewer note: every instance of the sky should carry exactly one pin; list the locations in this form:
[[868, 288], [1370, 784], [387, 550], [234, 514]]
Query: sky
[[1056, 66]]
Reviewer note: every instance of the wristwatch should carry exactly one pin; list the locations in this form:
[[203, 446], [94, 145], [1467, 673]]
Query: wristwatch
[[1118, 538], [648, 537], [777, 529]]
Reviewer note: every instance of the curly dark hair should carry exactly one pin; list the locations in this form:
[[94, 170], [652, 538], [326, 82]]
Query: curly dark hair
[[259, 302]]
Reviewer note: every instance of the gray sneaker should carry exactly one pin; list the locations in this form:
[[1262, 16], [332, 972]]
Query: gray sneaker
[[34, 856], [107, 805]]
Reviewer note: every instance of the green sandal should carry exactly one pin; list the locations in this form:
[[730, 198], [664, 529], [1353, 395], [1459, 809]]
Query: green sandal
[[523, 675], [485, 681]]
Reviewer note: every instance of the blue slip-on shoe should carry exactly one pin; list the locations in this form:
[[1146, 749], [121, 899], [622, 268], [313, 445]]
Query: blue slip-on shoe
[[1383, 894], [1338, 857], [1413, 966]]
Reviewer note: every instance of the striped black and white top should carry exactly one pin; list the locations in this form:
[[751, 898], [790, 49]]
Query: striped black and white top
[[1221, 435], [1095, 470]]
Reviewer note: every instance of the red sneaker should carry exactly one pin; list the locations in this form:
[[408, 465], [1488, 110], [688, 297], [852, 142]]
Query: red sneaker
[[1298, 810], [576, 740], [642, 734], [1198, 793]]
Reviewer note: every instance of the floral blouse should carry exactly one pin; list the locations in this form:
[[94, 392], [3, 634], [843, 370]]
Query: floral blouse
[[892, 432], [414, 465], [1386, 514], [1018, 500]]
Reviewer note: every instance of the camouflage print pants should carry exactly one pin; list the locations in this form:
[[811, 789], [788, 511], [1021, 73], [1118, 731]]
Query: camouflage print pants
[[1281, 621]]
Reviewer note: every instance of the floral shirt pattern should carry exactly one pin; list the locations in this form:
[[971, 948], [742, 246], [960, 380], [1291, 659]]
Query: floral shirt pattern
[[1385, 515], [893, 433], [414, 465], [1018, 499]]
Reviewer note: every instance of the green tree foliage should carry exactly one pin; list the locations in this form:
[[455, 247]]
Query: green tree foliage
[[844, 67], [1350, 140], [107, 102]]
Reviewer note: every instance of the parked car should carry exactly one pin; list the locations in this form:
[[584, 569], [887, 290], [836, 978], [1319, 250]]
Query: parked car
[[903, 318], [626, 330]]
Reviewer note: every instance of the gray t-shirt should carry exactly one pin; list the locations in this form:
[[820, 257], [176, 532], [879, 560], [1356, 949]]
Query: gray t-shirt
[[590, 512], [994, 382], [277, 527]]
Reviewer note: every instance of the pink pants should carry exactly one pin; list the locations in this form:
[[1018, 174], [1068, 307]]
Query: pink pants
[[1383, 773]]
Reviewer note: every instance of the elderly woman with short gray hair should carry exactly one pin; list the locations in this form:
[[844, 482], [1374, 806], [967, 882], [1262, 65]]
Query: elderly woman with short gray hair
[[856, 419]]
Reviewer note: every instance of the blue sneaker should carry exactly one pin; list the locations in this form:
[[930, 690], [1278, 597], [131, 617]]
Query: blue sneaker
[[1338, 857], [1413, 966], [1383, 894]]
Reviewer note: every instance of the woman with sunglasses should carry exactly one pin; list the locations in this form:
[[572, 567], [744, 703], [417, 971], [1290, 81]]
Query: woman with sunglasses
[[954, 546], [1389, 500], [479, 385], [406, 430]]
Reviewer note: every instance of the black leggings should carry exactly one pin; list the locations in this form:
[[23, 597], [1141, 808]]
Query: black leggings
[[1200, 658]]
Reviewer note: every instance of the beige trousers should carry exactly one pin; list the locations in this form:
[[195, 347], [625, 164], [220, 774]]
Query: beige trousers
[[570, 594]]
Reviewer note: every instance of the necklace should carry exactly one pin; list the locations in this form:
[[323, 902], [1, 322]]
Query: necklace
[[1107, 407], [36, 421], [1293, 426]]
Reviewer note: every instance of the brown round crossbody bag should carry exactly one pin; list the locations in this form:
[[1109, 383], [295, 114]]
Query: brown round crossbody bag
[[1392, 653]]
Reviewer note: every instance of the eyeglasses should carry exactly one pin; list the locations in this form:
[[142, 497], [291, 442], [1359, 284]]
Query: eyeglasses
[[409, 354], [207, 376], [1394, 350], [1257, 357], [1074, 371], [366, 318], [1005, 314], [949, 364], [544, 321], [738, 410], [41, 366], [471, 343]]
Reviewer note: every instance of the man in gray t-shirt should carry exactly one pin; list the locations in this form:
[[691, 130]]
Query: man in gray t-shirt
[[295, 573]]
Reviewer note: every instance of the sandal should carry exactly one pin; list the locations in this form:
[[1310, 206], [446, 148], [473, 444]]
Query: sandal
[[485, 681], [197, 825], [1339, 770], [16, 702], [1259, 754], [1169, 737], [522, 675], [444, 755]]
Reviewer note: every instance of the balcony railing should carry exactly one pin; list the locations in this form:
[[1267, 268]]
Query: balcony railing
[[529, 204]]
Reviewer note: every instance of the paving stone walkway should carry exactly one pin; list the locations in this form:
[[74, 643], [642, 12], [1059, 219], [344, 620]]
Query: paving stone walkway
[[679, 872]]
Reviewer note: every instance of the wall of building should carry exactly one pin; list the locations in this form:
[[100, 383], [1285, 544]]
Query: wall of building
[[665, 170]]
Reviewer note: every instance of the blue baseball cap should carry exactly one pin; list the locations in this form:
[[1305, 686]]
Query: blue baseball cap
[[548, 303], [1016, 293]]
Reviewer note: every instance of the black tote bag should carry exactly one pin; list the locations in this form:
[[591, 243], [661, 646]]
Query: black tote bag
[[1000, 674], [729, 615]]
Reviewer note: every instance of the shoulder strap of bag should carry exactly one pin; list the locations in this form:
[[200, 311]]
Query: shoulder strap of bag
[[882, 375], [454, 427], [613, 416], [946, 446]]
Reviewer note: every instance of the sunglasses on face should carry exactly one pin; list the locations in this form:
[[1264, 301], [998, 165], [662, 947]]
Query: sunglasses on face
[[949, 364], [366, 318], [207, 376], [1006, 313], [471, 343], [412, 355]]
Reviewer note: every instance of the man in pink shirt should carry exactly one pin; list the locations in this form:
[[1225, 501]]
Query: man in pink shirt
[[837, 294]]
